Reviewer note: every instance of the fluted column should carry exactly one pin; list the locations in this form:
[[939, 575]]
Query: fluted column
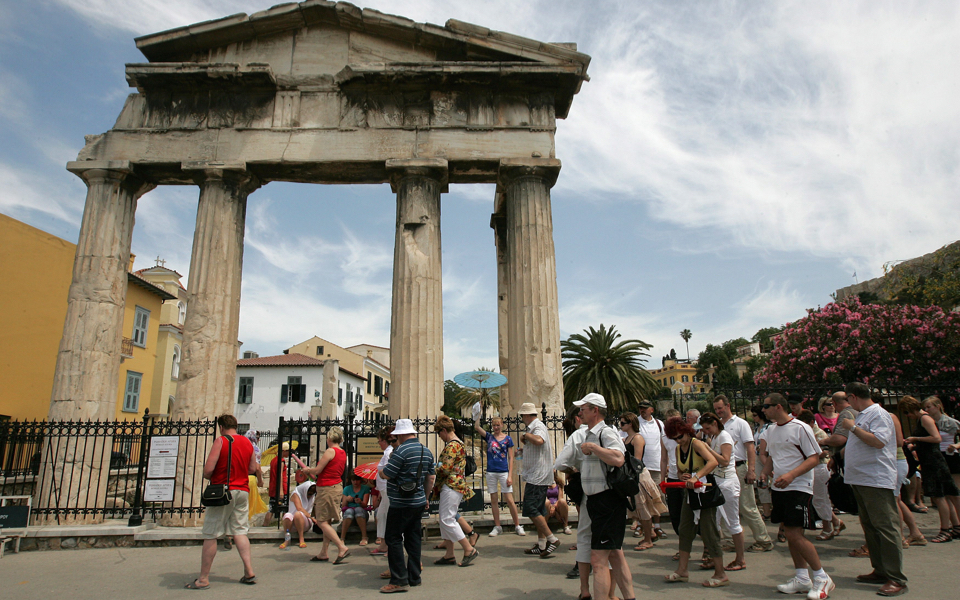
[[416, 322], [88, 361], [209, 362], [533, 308], [499, 224]]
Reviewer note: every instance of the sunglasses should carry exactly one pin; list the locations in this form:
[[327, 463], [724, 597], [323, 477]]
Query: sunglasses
[[828, 403], [769, 405], [624, 422]]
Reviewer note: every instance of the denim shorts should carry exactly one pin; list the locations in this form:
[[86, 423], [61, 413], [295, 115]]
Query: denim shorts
[[354, 513]]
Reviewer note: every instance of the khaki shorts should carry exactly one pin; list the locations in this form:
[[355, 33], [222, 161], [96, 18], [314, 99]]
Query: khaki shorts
[[231, 519], [327, 505]]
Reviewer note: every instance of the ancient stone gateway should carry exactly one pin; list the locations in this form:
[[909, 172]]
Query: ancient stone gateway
[[323, 92]]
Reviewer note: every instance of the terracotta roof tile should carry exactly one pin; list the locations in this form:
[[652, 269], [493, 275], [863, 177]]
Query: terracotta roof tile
[[281, 360]]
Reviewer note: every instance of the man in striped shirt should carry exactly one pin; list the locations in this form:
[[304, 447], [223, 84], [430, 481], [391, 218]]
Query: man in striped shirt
[[410, 462], [537, 474]]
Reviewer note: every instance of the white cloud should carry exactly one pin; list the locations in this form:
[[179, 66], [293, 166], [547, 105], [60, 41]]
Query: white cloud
[[25, 192]]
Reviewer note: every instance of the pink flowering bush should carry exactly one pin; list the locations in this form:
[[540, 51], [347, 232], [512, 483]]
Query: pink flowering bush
[[872, 343]]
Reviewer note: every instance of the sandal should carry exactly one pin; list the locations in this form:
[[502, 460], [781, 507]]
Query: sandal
[[839, 528], [392, 589], [735, 566], [920, 541], [195, 585], [385, 574], [643, 546], [826, 535], [781, 537], [303, 544], [452, 560], [318, 559], [284, 545], [469, 558], [248, 580], [473, 540], [861, 552], [676, 556], [676, 578], [342, 557], [713, 582], [955, 532], [918, 509], [707, 565], [364, 542], [942, 537]]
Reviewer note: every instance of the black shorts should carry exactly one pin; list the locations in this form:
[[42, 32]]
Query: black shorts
[[534, 500], [608, 520], [793, 509]]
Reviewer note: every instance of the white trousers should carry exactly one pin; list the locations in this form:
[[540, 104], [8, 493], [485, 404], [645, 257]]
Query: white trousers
[[821, 497], [449, 502], [382, 515], [730, 511]]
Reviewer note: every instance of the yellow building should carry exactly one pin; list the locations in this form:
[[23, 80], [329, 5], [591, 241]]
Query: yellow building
[[169, 338], [36, 269], [680, 377]]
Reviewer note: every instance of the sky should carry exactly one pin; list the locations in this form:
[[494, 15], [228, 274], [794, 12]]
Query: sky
[[728, 165]]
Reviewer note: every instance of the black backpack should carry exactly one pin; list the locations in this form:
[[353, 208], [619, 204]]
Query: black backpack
[[625, 479], [470, 468]]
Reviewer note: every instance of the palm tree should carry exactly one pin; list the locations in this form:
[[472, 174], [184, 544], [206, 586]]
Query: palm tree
[[686, 335], [595, 362]]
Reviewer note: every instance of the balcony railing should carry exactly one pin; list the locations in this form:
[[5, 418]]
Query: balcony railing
[[126, 348]]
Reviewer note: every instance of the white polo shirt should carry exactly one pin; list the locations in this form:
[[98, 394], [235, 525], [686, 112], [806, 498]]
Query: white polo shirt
[[868, 466], [789, 445], [741, 433], [651, 431]]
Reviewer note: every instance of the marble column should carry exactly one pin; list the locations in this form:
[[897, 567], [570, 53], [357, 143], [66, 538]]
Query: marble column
[[416, 323], [499, 224], [88, 361], [535, 369], [208, 364]]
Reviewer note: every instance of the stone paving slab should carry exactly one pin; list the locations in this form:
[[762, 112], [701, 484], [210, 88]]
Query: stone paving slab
[[501, 571]]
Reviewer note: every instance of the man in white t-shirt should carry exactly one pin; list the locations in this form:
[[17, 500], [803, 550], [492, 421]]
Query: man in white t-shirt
[[651, 428], [744, 454], [794, 452], [870, 468]]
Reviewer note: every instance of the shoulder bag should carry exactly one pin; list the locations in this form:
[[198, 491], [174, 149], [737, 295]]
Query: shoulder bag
[[624, 480], [218, 494], [408, 489]]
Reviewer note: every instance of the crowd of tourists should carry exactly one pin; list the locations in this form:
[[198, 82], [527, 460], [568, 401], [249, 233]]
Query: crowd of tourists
[[714, 475]]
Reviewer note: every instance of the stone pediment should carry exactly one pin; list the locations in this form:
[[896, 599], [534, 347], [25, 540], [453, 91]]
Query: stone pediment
[[333, 44]]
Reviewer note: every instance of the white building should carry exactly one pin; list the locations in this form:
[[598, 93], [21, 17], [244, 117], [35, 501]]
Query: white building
[[289, 386]]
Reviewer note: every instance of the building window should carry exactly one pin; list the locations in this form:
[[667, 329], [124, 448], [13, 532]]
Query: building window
[[131, 395], [181, 312], [245, 395], [319, 350], [293, 390], [377, 385], [684, 379], [369, 381], [175, 367], [672, 380], [141, 319]]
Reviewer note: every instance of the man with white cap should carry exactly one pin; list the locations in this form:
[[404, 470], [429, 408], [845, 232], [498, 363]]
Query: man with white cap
[[569, 460], [409, 471], [538, 476], [602, 447]]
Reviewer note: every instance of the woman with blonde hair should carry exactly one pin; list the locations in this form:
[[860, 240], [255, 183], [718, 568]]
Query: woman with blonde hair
[[648, 501], [326, 508], [451, 487], [499, 472], [826, 417], [936, 479]]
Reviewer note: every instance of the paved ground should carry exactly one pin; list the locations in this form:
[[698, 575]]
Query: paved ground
[[502, 571]]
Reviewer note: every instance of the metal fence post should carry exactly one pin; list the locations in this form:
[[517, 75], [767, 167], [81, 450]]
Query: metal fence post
[[136, 519]]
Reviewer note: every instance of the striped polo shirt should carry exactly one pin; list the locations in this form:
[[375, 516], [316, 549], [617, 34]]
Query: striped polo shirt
[[402, 467]]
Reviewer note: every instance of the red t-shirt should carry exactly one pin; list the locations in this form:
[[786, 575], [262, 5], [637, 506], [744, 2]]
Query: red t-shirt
[[273, 478], [240, 463], [332, 474]]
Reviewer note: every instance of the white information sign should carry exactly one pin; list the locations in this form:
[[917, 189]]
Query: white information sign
[[164, 445], [161, 467], [158, 490]]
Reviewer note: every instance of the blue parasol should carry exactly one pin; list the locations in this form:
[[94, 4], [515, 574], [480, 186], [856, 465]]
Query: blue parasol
[[480, 379]]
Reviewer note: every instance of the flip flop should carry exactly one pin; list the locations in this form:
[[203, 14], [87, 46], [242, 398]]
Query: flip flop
[[676, 578], [641, 547], [318, 559], [735, 566], [342, 557], [194, 585], [248, 580], [378, 552], [303, 544], [714, 583]]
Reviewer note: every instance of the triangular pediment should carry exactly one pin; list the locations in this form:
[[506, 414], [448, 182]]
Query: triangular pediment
[[320, 38]]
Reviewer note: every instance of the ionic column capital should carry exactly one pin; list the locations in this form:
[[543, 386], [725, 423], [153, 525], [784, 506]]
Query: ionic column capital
[[429, 168], [514, 169], [233, 174], [121, 172]]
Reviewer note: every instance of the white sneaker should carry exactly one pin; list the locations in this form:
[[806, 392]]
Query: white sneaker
[[821, 589], [497, 530], [795, 586], [520, 531], [566, 530]]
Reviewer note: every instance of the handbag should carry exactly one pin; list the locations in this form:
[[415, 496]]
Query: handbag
[[574, 488], [710, 497], [408, 489], [841, 494], [218, 494], [625, 479]]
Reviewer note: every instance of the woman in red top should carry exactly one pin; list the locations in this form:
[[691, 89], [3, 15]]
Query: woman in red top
[[231, 519], [326, 509]]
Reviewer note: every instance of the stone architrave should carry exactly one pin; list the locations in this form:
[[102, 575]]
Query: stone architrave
[[416, 324], [536, 373], [499, 224], [210, 330], [328, 388], [88, 362]]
